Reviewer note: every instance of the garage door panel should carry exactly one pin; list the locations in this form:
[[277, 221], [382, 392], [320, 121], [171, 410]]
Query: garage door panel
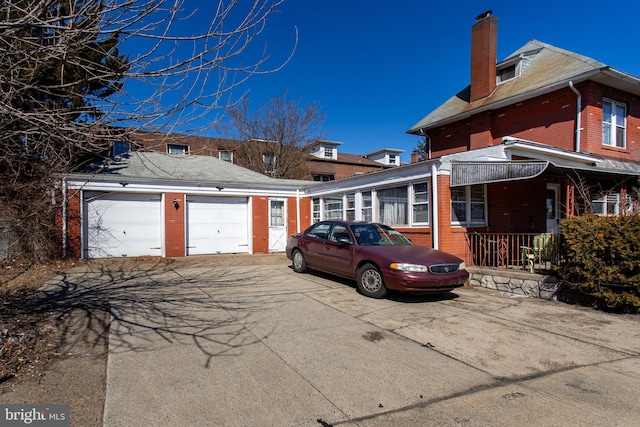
[[217, 225], [123, 225]]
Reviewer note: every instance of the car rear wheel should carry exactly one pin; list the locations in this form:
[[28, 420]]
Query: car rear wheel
[[370, 282], [299, 264]]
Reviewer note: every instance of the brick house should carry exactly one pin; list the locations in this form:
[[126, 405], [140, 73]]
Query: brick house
[[325, 162], [542, 135]]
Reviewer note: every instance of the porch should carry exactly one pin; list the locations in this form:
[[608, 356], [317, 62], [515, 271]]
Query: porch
[[530, 252], [518, 263]]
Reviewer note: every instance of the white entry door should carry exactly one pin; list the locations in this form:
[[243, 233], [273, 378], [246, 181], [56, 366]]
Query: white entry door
[[277, 225], [122, 225], [553, 208], [217, 225]]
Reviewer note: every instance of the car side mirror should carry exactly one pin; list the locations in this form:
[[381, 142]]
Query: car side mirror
[[344, 241]]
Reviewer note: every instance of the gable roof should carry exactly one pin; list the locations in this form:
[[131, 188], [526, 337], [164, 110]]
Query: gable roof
[[545, 68], [154, 167]]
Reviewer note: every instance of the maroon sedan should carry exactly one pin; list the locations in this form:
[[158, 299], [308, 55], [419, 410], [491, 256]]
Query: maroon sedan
[[378, 257]]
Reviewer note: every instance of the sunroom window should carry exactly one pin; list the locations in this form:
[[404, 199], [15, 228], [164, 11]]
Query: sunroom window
[[421, 203], [367, 206], [333, 207], [393, 206]]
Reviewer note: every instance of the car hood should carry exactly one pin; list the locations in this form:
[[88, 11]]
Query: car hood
[[410, 254]]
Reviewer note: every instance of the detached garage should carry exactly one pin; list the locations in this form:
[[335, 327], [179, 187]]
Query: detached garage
[[122, 225], [217, 225], [155, 204]]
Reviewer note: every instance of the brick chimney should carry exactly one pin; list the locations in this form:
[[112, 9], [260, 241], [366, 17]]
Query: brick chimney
[[484, 38], [415, 156]]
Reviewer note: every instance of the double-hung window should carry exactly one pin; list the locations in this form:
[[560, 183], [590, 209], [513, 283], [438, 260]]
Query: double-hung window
[[421, 203], [269, 162], [350, 208], [468, 206], [367, 206], [315, 210], [614, 123]]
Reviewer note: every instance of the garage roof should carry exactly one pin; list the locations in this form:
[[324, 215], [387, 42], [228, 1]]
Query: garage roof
[[161, 167]]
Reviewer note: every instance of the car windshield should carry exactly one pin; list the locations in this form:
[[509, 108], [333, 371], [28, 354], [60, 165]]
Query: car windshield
[[377, 234]]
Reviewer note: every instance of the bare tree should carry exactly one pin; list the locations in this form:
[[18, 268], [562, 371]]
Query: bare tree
[[68, 92], [278, 137]]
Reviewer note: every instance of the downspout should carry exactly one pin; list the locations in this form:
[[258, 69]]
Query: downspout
[[428, 139], [297, 210], [578, 116], [434, 208], [64, 218]]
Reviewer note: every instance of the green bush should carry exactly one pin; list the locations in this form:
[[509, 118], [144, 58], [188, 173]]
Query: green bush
[[602, 259]]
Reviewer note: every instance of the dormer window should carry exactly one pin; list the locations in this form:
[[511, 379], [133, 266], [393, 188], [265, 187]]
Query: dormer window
[[508, 70], [328, 152], [506, 73]]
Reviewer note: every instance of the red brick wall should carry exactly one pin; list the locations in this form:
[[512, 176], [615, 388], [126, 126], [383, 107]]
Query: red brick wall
[[450, 139], [450, 239], [74, 225], [292, 214], [418, 236], [174, 227], [260, 207], [548, 119], [591, 138]]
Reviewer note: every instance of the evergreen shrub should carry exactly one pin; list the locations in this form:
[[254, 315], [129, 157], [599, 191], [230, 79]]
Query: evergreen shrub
[[602, 259]]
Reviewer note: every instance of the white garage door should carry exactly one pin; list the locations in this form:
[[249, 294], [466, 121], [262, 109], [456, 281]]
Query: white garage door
[[217, 225], [122, 225]]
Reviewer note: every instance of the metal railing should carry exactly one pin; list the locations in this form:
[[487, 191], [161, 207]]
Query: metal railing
[[533, 252]]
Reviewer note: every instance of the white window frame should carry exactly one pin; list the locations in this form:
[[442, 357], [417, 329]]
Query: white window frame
[[366, 203], [350, 206], [316, 210], [613, 125], [415, 203], [407, 201], [177, 149], [276, 213], [226, 155], [468, 205], [333, 207], [610, 204]]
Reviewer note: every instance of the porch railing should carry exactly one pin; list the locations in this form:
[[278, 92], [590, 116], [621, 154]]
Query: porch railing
[[533, 252]]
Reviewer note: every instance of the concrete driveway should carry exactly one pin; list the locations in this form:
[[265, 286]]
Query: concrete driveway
[[259, 345]]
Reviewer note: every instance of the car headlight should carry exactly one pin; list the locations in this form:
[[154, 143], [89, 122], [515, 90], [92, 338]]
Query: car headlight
[[408, 267], [461, 266]]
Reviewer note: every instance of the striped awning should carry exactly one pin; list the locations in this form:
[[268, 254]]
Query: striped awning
[[469, 173]]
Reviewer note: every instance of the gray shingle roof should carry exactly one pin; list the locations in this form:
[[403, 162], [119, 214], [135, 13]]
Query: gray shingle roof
[[153, 166], [544, 68]]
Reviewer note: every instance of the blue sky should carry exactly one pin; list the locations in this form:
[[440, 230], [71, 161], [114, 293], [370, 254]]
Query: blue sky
[[377, 67]]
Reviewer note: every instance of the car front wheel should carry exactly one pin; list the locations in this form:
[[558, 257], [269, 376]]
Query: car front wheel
[[299, 264], [370, 282]]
